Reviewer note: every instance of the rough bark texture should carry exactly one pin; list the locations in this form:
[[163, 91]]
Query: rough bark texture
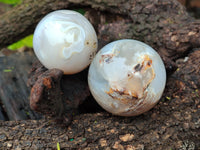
[[55, 95], [22, 19], [14, 93], [173, 123], [50, 89], [165, 25]]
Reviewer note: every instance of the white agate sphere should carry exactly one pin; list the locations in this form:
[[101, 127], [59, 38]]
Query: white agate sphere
[[66, 40], [127, 77]]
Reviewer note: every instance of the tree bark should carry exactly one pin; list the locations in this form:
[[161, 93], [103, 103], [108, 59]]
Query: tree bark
[[172, 124], [57, 95], [165, 25], [14, 93], [50, 89]]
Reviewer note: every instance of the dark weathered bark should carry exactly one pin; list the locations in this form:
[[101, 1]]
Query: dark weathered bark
[[56, 95], [22, 19], [2, 116], [165, 25], [172, 124], [52, 93], [14, 93]]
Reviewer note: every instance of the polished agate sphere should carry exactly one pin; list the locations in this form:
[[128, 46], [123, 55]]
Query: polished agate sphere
[[127, 77], [65, 40]]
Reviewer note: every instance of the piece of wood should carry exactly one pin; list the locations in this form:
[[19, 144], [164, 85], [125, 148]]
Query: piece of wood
[[14, 92], [57, 95], [165, 25], [52, 93], [2, 116], [172, 124]]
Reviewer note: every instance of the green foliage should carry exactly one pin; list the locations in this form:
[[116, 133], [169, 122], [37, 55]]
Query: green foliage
[[81, 11], [11, 2], [7, 70], [27, 41]]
